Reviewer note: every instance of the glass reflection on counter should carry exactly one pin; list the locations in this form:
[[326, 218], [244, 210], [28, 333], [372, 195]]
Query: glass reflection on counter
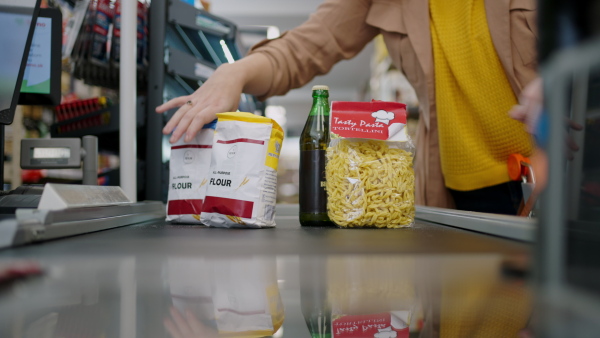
[[69, 299], [402, 297], [340, 296], [371, 296], [313, 296], [354, 296], [224, 297]]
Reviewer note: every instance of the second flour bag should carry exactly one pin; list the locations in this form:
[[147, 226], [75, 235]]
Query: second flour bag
[[242, 181], [188, 176]]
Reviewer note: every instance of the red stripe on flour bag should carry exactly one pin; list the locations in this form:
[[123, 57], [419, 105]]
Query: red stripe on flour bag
[[185, 146], [184, 207], [228, 206], [241, 140]]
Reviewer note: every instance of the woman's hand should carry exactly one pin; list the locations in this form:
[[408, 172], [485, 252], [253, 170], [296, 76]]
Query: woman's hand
[[221, 93], [529, 108]]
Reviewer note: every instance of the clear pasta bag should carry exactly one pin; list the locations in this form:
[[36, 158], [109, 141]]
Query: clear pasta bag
[[369, 171]]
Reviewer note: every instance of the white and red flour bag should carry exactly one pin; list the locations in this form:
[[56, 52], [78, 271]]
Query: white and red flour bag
[[242, 180], [188, 176]]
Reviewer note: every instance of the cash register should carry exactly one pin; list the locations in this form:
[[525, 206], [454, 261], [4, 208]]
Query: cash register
[[37, 213]]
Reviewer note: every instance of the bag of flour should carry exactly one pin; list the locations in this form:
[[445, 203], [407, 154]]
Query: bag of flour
[[188, 176], [242, 180]]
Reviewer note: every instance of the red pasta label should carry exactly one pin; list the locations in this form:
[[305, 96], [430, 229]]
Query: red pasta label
[[380, 325], [377, 120]]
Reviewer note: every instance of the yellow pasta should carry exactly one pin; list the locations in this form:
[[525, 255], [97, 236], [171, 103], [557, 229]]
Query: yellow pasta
[[370, 184]]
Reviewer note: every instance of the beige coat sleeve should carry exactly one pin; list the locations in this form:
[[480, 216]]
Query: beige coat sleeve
[[336, 31]]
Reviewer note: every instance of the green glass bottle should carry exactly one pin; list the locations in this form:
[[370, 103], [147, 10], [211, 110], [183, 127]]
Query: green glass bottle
[[313, 145]]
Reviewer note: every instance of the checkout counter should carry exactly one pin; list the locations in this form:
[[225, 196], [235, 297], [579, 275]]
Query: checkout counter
[[155, 279]]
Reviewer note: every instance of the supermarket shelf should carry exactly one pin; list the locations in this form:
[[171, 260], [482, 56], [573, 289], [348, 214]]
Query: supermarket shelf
[[188, 16], [195, 44], [100, 122], [187, 66]]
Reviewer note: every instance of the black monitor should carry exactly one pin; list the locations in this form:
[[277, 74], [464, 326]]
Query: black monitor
[[17, 19], [41, 80]]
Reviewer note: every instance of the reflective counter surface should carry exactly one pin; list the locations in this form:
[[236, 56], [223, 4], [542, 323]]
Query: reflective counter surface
[[161, 280]]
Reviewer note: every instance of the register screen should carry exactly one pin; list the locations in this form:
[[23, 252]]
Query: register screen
[[13, 37], [37, 72], [38, 153]]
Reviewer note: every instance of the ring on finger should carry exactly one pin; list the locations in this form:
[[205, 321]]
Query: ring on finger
[[189, 103]]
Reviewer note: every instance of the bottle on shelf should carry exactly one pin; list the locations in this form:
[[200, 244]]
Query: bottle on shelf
[[313, 145]]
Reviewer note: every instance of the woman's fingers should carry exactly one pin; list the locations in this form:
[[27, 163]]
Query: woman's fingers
[[572, 146], [518, 113], [173, 103], [180, 322], [220, 93], [527, 112], [179, 114], [530, 105], [188, 121], [198, 121], [181, 124], [574, 125]]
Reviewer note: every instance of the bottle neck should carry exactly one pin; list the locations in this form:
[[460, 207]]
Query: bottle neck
[[320, 104]]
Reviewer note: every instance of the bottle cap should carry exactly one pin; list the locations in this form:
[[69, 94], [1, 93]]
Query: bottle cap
[[320, 87]]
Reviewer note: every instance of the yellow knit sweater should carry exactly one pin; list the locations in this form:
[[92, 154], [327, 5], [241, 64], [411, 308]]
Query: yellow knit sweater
[[473, 97]]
